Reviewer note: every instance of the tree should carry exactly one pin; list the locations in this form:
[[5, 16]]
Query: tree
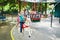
[[2, 4], [45, 9]]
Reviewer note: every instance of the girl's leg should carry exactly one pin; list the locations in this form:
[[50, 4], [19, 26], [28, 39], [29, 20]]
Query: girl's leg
[[20, 26], [22, 29]]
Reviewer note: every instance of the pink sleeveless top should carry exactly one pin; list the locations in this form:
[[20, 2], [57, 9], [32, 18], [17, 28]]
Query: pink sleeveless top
[[18, 20]]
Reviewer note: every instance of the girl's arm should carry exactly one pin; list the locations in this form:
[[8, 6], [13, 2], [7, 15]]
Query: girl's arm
[[17, 24], [18, 21]]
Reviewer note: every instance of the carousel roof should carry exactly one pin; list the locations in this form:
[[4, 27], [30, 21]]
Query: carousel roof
[[38, 1]]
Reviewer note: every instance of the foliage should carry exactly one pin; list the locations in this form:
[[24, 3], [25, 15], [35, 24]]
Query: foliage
[[8, 6]]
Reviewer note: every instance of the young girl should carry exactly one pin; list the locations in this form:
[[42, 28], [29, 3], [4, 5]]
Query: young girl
[[26, 25], [20, 20]]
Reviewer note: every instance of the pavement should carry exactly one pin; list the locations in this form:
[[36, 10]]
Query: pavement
[[40, 31]]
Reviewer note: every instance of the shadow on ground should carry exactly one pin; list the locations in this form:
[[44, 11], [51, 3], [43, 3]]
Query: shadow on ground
[[5, 30]]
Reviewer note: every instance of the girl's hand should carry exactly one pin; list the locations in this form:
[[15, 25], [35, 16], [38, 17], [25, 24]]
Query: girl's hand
[[17, 24]]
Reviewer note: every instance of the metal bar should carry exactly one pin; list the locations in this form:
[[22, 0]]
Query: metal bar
[[51, 19], [59, 20]]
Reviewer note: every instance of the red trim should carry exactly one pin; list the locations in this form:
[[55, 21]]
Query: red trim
[[35, 18], [24, 26]]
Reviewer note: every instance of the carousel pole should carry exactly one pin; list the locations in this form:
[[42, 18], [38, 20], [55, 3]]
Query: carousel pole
[[52, 13], [51, 18], [59, 20]]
